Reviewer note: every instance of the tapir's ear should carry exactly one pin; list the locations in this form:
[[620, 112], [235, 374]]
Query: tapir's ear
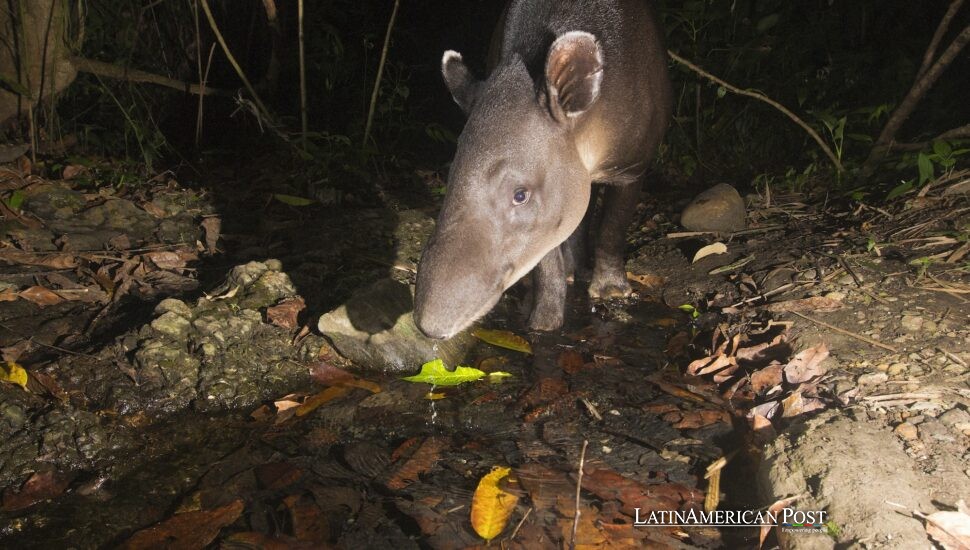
[[574, 72], [462, 84]]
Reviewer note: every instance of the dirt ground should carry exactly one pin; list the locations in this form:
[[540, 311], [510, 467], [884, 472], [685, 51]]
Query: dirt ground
[[164, 382]]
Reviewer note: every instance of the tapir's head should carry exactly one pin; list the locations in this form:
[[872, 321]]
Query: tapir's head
[[517, 188]]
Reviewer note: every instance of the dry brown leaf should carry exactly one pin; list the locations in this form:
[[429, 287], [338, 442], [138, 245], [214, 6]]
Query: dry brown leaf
[[307, 520], [40, 486], [766, 378], [187, 530], [631, 494], [421, 461], [71, 171], [165, 259], [571, 361], [41, 296], [691, 420], [774, 508], [53, 260], [647, 280], [807, 365], [285, 314], [796, 404], [320, 399], [9, 295], [950, 529], [544, 485]]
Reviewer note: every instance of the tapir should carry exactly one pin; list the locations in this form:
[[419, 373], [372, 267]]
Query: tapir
[[577, 93]]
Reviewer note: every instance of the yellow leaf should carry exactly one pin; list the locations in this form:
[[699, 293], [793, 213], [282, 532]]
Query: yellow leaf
[[503, 339], [372, 387], [14, 374], [492, 505], [434, 396], [435, 373]]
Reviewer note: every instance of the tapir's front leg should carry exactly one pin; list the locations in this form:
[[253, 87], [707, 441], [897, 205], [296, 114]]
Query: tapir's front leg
[[549, 302], [609, 273]]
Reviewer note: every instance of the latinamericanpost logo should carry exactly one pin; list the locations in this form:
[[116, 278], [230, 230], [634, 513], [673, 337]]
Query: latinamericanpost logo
[[788, 519]]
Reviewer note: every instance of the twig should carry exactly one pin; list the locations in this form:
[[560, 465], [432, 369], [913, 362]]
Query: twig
[[954, 358], [519, 525], [762, 97], [579, 484], [231, 58], [922, 84], [49, 346], [303, 115], [100, 68], [959, 132], [938, 37], [380, 72], [847, 333]]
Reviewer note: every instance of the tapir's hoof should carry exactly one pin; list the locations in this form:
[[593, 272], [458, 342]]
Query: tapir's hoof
[[545, 320], [603, 288]]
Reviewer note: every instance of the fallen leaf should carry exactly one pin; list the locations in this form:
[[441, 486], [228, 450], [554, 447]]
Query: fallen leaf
[[491, 504], [71, 171], [14, 373], [307, 521], [422, 460], [293, 200], [807, 365], [715, 248], [41, 296], [322, 372], [503, 339], [950, 529], [39, 487], [285, 313], [766, 378], [707, 365], [544, 485], [797, 404], [692, 420], [165, 259], [187, 530], [775, 509], [571, 361], [315, 401], [610, 485], [435, 373], [9, 295]]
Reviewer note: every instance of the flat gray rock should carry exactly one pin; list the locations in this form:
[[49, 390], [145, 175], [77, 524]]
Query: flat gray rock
[[376, 331], [720, 209]]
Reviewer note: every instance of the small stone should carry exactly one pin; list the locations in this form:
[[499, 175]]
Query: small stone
[[897, 368], [171, 324], [912, 323], [883, 367], [720, 208], [956, 418], [174, 306], [837, 296], [929, 326], [907, 431], [872, 379]]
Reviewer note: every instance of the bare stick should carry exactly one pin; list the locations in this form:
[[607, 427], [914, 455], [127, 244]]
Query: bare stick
[[961, 132], [579, 485], [100, 68], [921, 85], [231, 58], [303, 116], [938, 36], [848, 333], [762, 97], [380, 72]]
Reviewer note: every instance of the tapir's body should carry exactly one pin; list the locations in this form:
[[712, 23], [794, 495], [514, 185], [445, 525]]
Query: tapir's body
[[578, 93]]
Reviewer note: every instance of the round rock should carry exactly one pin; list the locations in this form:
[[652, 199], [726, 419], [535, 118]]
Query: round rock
[[720, 209]]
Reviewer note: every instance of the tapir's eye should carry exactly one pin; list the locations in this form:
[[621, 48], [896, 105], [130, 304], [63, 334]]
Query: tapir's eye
[[521, 196]]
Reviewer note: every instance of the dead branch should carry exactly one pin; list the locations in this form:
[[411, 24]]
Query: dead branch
[[962, 132], [762, 97], [109, 70], [922, 84], [938, 37]]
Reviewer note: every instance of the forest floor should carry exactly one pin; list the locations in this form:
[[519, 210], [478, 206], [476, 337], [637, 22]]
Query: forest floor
[[164, 382]]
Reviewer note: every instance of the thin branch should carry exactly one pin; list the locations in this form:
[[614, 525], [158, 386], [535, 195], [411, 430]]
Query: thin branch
[[920, 86], [231, 58], [938, 36], [762, 97], [962, 132], [303, 114], [380, 72], [100, 68]]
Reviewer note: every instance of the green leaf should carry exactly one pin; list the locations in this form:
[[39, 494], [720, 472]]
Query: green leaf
[[925, 166], [293, 200], [435, 373], [16, 199], [503, 339], [904, 187], [942, 149]]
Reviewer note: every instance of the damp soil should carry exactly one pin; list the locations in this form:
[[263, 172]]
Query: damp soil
[[185, 406]]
